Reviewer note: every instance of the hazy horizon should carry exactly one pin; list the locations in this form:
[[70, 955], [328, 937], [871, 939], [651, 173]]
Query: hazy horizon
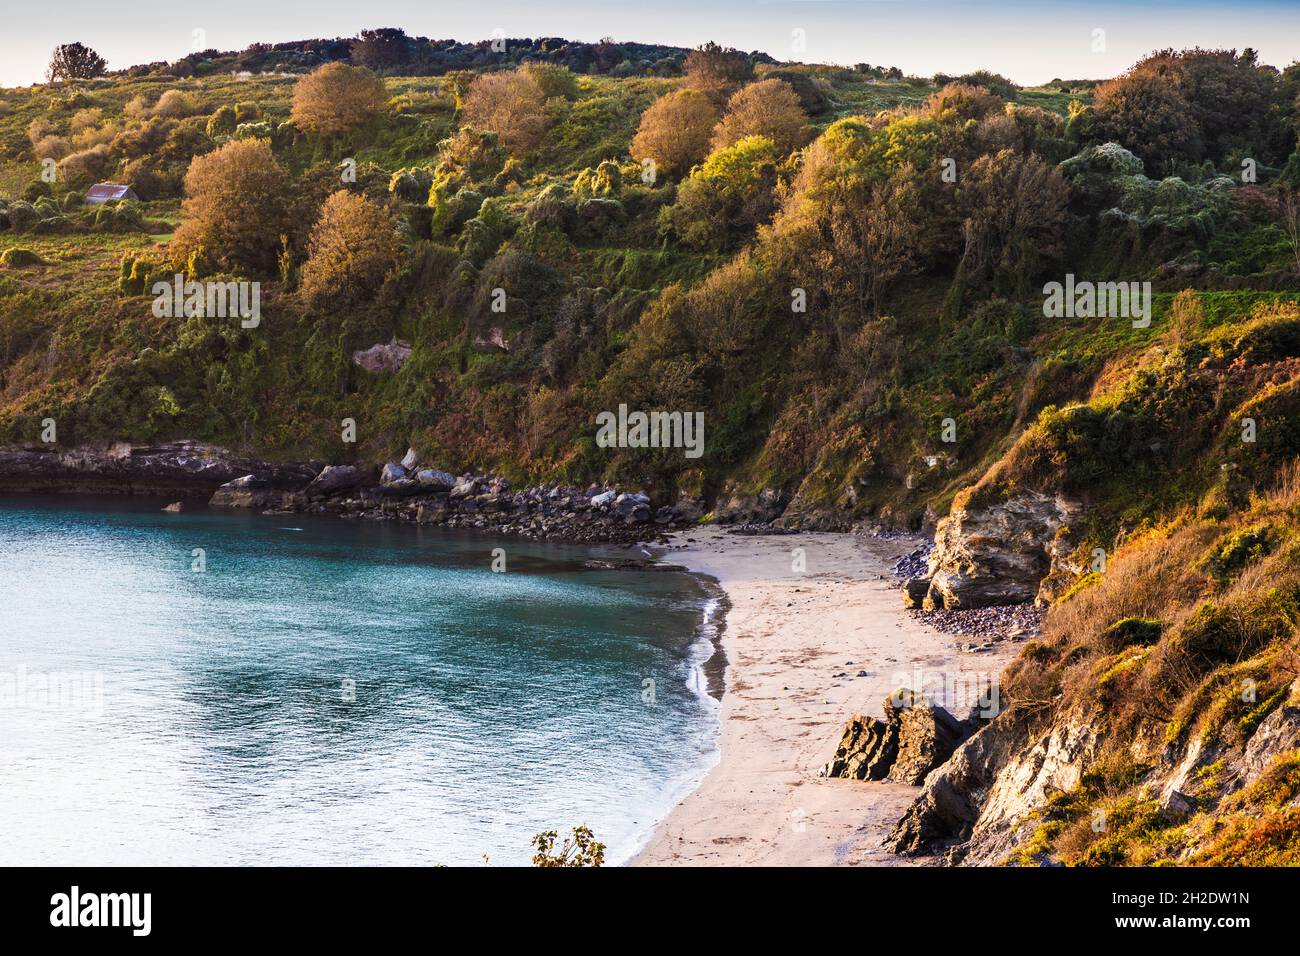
[[1030, 42]]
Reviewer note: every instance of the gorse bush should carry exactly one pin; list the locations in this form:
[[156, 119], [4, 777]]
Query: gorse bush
[[353, 247], [237, 202], [675, 132], [335, 99]]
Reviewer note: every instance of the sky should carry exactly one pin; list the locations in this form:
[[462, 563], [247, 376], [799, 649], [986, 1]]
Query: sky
[[1030, 42]]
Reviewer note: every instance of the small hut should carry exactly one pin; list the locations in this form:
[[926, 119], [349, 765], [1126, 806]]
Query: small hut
[[108, 192]]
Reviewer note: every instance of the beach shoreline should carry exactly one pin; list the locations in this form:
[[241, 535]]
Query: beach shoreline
[[815, 632]]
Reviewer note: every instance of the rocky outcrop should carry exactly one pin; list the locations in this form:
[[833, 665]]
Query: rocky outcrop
[[927, 735], [333, 479], [182, 468], [736, 507], [383, 357], [915, 737], [995, 554], [405, 491], [867, 750], [984, 797]]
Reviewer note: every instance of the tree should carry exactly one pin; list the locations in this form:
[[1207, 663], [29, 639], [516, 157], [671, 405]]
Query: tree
[[381, 49], [768, 108], [725, 197], [717, 72], [513, 105], [337, 98], [1148, 114], [675, 130], [1014, 208], [235, 207], [354, 245], [74, 61], [581, 849]]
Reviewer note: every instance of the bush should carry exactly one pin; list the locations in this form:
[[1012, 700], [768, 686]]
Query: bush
[[354, 245], [512, 105], [717, 72], [411, 185], [768, 108], [17, 258], [554, 80], [337, 98], [235, 206], [84, 167], [726, 197], [222, 122], [21, 216], [173, 104], [52, 147], [1128, 632], [675, 131]]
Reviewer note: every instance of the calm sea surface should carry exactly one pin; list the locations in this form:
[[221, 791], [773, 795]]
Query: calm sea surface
[[331, 692]]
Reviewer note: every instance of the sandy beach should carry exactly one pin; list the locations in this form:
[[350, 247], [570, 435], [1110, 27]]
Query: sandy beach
[[796, 641]]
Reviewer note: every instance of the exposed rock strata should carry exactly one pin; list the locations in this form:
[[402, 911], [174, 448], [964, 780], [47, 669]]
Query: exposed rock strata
[[182, 468], [915, 737], [996, 554]]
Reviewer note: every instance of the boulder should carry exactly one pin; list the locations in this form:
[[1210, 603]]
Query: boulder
[[603, 500], [383, 357], [391, 472], [866, 751], [914, 592], [409, 459], [927, 736], [333, 479], [248, 491], [913, 739], [431, 479], [467, 487]]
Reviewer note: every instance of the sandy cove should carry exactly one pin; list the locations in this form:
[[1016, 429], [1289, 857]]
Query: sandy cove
[[783, 711]]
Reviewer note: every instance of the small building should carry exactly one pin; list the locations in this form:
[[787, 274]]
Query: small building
[[108, 192]]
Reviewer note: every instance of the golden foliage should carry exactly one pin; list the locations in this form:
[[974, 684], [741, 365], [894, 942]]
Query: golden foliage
[[354, 245], [336, 98]]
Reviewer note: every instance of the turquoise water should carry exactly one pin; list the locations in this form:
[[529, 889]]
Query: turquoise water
[[330, 692]]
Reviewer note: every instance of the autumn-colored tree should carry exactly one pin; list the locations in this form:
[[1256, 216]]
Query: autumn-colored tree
[[354, 245], [513, 105], [675, 131], [717, 72], [768, 108], [336, 98], [235, 208], [957, 102], [74, 61]]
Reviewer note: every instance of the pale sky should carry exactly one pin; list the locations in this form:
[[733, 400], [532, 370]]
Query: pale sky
[[1030, 42]]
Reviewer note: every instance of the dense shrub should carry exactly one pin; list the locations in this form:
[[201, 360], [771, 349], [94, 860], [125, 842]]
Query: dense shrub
[[675, 131], [768, 108], [727, 196], [354, 245], [336, 98], [236, 206], [513, 105]]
